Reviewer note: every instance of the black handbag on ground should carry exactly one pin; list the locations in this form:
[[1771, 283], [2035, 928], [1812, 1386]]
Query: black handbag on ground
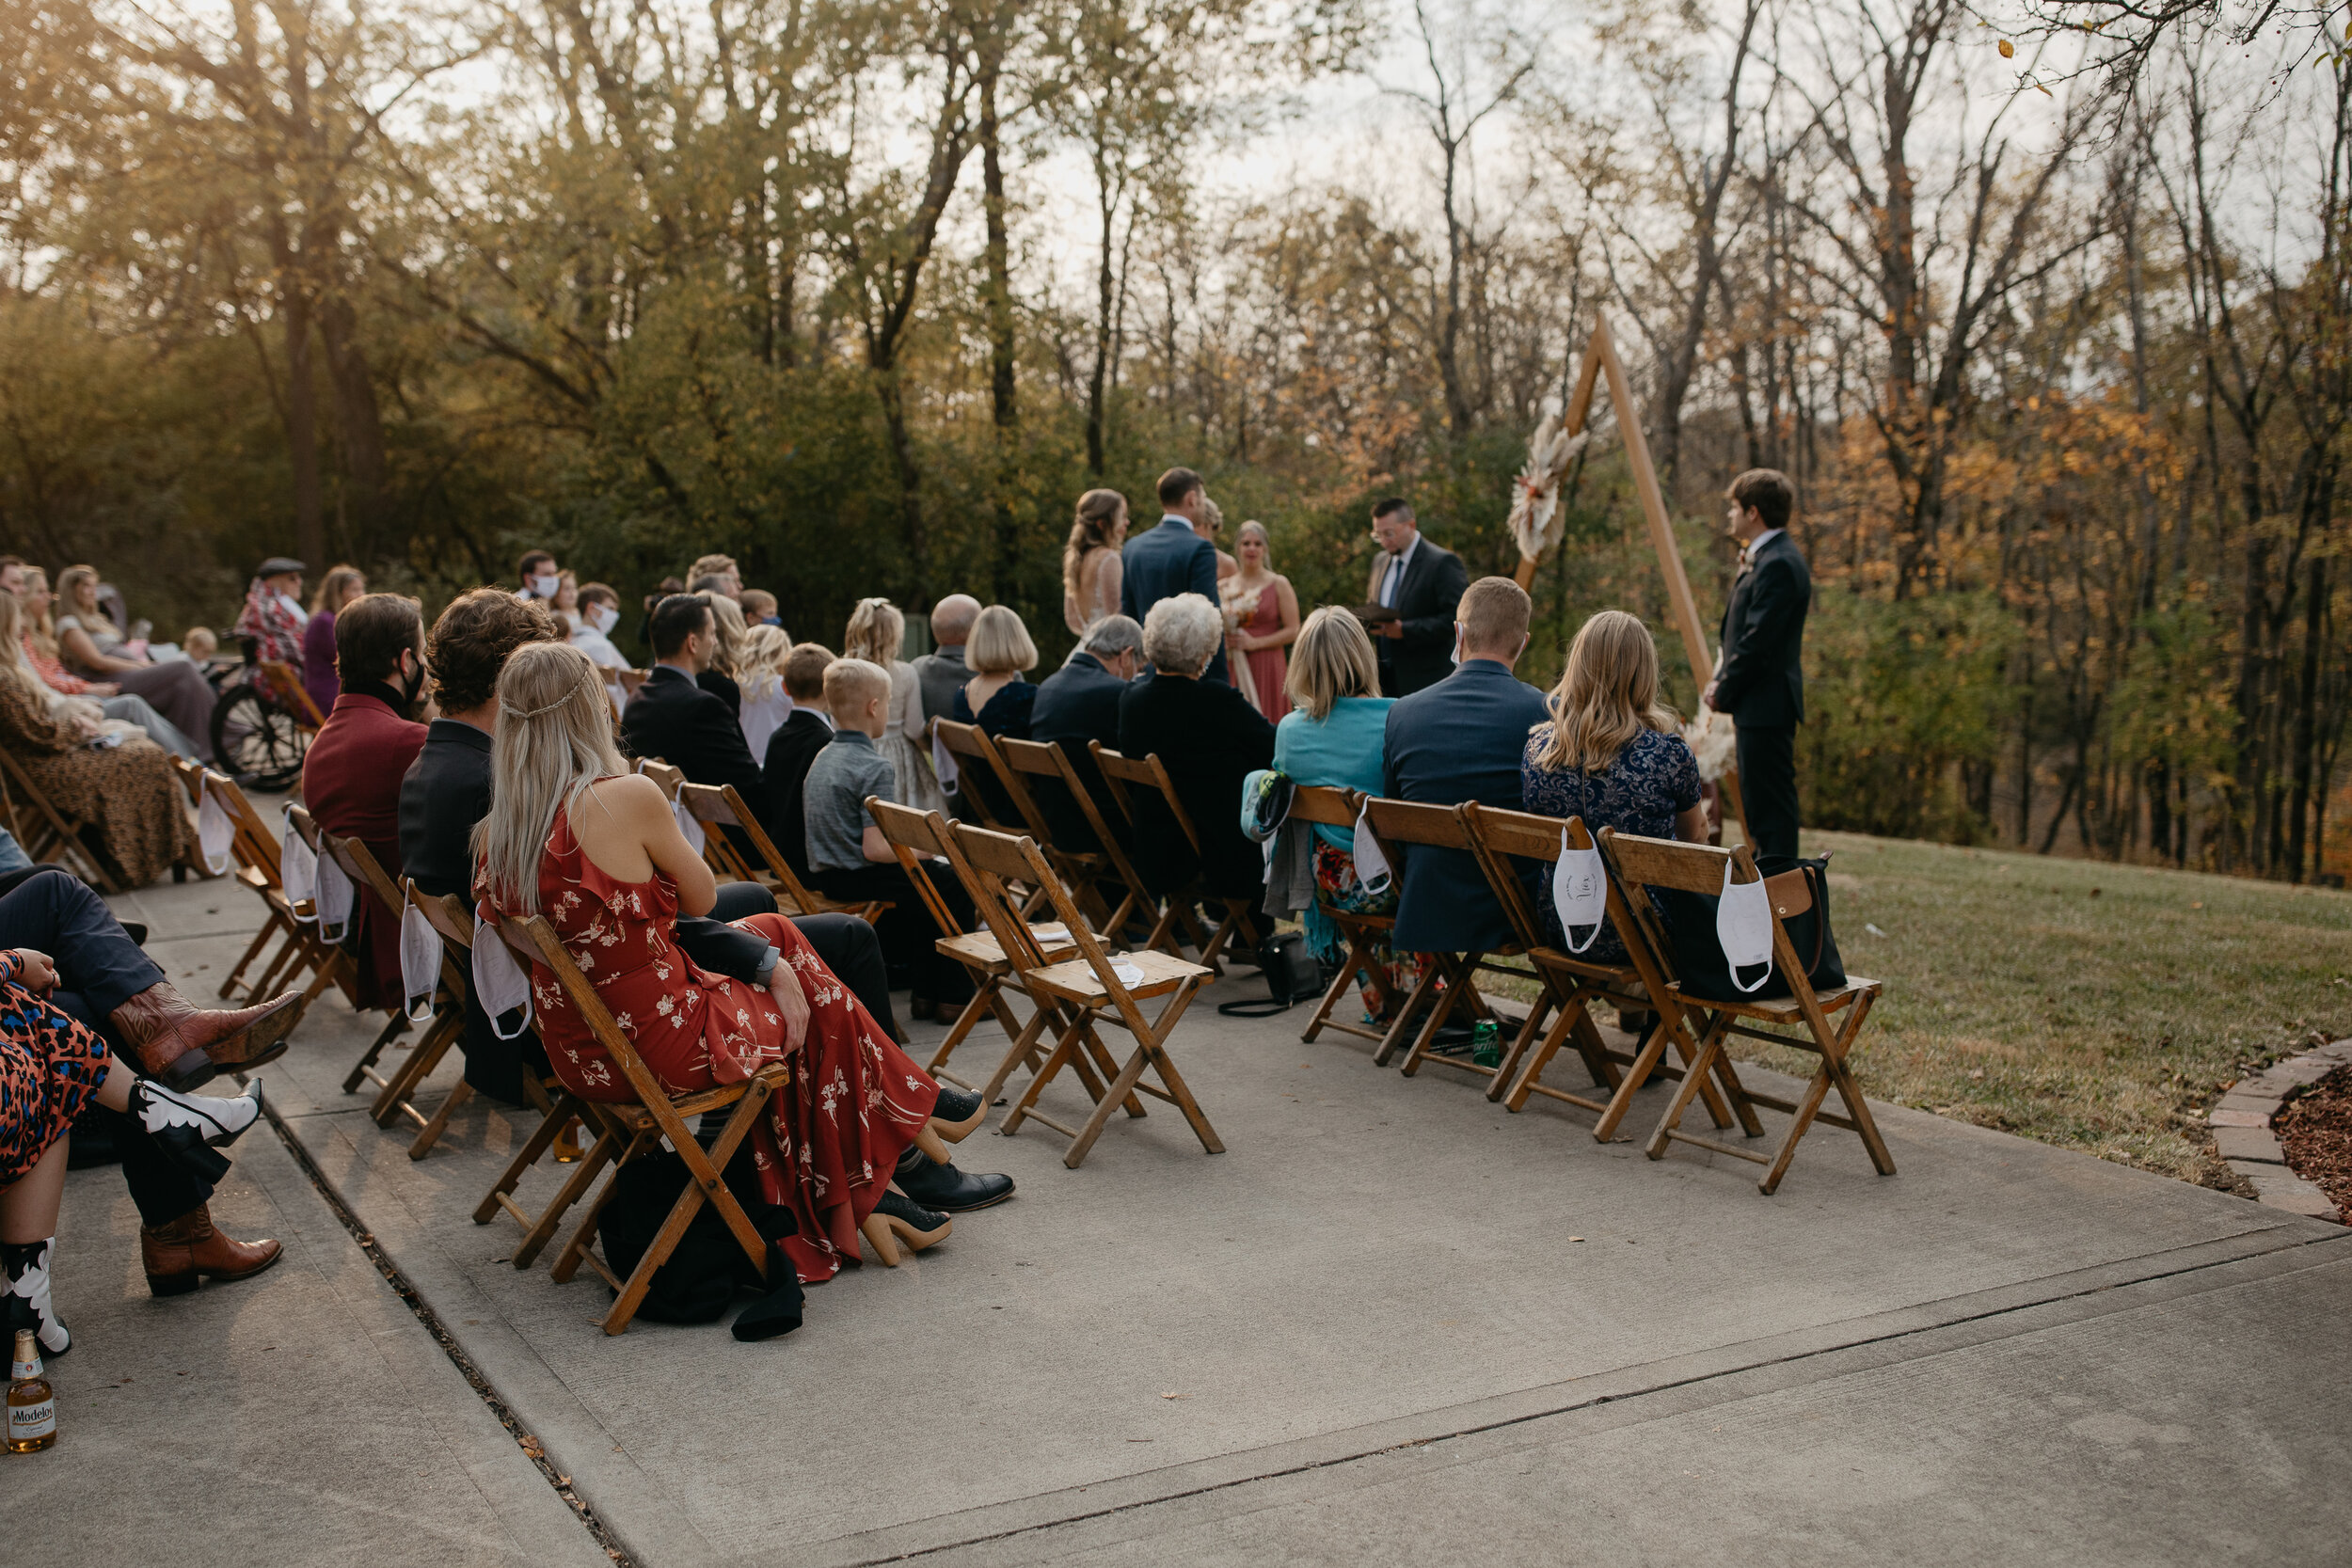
[[1292, 974], [1799, 892], [698, 1281]]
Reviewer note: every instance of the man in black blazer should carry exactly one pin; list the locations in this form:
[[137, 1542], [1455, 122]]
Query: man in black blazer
[[792, 752], [1422, 583], [1758, 678], [1172, 559], [1458, 740], [675, 720], [1079, 702]]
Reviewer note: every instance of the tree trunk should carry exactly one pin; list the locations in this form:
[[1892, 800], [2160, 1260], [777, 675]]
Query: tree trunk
[[358, 417], [2305, 716], [1002, 406], [302, 435]]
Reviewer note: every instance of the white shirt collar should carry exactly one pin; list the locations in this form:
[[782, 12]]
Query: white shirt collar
[[1757, 543]]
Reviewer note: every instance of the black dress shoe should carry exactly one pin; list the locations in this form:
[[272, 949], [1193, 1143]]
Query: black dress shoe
[[947, 1189]]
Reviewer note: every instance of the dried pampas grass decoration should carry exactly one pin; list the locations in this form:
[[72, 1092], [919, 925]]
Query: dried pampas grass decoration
[[1713, 741], [1537, 522]]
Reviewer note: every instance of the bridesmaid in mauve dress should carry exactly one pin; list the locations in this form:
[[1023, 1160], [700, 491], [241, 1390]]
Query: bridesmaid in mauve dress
[[1265, 636]]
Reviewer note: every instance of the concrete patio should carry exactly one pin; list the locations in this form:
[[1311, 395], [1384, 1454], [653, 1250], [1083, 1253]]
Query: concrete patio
[[1392, 1323]]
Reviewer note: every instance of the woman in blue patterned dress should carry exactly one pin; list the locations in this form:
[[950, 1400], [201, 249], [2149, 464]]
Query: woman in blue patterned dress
[[51, 1068], [1611, 753]]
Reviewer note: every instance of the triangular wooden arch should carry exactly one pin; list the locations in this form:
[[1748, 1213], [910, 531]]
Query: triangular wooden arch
[[1600, 357]]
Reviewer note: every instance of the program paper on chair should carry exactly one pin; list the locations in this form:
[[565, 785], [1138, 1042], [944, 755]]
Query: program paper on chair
[[1801, 1020], [1094, 987]]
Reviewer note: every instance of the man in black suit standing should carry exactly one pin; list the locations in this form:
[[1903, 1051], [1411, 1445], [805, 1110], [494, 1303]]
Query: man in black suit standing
[[1422, 583], [1172, 559], [1758, 679]]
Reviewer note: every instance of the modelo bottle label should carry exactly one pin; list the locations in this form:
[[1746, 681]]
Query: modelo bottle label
[[29, 1423]]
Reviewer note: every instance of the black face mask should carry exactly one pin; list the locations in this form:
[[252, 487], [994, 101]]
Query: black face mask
[[412, 691]]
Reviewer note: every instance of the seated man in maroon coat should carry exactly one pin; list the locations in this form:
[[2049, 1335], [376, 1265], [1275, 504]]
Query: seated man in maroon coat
[[351, 777]]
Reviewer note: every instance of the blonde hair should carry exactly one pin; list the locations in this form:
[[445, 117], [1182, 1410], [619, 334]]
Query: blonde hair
[[852, 683], [69, 585], [1098, 512], [1253, 526], [765, 649], [726, 620], [999, 643], [554, 739], [877, 629], [334, 589], [1494, 613], [1333, 658], [39, 628], [712, 567], [1606, 696]]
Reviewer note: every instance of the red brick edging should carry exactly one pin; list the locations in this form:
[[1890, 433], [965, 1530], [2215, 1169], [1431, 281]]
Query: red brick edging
[[2241, 1130]]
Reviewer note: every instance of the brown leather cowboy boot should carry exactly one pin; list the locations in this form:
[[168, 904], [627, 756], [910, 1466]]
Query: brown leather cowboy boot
[[184, 1045], [177, 1255]]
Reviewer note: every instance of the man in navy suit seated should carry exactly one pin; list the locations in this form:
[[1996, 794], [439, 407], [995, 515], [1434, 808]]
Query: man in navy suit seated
[[1172, 559], [1461, 740]]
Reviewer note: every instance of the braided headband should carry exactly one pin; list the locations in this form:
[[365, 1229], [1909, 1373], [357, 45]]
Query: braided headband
[[587, 679]]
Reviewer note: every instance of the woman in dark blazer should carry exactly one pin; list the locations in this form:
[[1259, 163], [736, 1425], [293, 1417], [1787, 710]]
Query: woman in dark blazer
[[1209, 738]]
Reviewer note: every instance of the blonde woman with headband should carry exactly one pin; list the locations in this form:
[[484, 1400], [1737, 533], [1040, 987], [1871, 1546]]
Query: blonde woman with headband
[[766, 703], [877, 634], [573, 835], [726, 625]]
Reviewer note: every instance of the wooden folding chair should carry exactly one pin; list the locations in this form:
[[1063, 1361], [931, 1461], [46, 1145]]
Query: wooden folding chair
[[1094, 986], [1085, 871], [917, 836], [719, 807], [981, 777], [660, 772], [1572, 985], [1451, 980], [632, 1131], [1653, 863], [1337, 808], [394, 1090], [45, 831], [255, 849], [1129, 777]]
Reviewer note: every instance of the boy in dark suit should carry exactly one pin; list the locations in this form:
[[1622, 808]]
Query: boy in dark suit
[[1458, 740], [793, 749], [1172, 559], [1422, 583], [1759, 676]]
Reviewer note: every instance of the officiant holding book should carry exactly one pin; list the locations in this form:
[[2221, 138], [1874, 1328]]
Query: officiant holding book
[[1415, 587]]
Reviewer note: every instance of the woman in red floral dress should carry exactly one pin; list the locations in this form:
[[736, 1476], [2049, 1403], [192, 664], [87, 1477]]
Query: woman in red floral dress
[[573, 835]]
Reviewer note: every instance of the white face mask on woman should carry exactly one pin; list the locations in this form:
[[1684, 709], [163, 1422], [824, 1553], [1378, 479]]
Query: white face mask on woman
[[604, 618]]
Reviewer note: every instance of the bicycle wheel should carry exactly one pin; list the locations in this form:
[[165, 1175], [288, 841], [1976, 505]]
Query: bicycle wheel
[[257, 742]]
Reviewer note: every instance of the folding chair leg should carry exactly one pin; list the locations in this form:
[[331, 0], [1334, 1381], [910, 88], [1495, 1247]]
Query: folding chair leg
[[1507, 1071], [1022, 1048], [394, 1028], [585, 1233], [682, 1214], [1414, 1001], [459, 1093], [552, 1122], [422, 1058], [261, 939], [1693, 1077], [1457, 976]]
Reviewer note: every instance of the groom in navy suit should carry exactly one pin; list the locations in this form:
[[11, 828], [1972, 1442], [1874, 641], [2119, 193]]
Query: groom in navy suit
[[1458, 740], [1172, 559]]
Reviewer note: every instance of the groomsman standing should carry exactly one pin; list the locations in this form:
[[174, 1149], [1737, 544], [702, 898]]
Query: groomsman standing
[[1422, 582], [1758, 677]]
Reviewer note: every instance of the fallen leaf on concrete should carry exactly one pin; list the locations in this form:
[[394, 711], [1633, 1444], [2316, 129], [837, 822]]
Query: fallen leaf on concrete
[[1175, 1396]]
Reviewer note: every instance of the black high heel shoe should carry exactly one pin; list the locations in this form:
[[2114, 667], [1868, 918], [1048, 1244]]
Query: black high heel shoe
[[896, 1219]]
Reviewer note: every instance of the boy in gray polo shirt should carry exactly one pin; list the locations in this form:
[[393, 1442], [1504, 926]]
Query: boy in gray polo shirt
[[851, 860]]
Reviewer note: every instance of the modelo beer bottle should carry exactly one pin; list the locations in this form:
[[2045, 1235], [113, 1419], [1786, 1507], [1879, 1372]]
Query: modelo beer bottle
[[32, 1405]]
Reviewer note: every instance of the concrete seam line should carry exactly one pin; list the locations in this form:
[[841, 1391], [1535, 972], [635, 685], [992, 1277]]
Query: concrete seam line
[[533, 1450], [1595, 1401]]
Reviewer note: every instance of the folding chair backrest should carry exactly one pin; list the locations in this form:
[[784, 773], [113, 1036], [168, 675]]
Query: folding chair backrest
[[1324, 805], [660, 772], [1025, 760], [359, 863], [1131, 777], [452, 921], [1498, 837], [1669, 863], [535, 935], [1406, 822], [995, 794], [916, 836], [1032, 757], [256, 845], [995, 868], [722, 807]]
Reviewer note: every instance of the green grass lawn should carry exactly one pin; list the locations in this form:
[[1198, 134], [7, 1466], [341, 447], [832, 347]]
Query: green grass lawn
[[2095, 1007]]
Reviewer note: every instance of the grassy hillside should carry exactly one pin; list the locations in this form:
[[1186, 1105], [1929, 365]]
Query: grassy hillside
[[2091, 1006]]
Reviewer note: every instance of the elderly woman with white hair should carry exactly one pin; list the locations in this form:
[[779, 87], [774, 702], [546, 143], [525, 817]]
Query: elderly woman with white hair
[[1209, 738]]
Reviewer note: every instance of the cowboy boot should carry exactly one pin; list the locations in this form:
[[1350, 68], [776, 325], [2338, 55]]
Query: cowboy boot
[[179, 1255], [25, 1303], [175, 1119], [184, 1045]]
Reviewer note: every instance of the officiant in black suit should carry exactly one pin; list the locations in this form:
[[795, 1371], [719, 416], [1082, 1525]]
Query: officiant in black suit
[[1422, 583], [1758, 678]]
